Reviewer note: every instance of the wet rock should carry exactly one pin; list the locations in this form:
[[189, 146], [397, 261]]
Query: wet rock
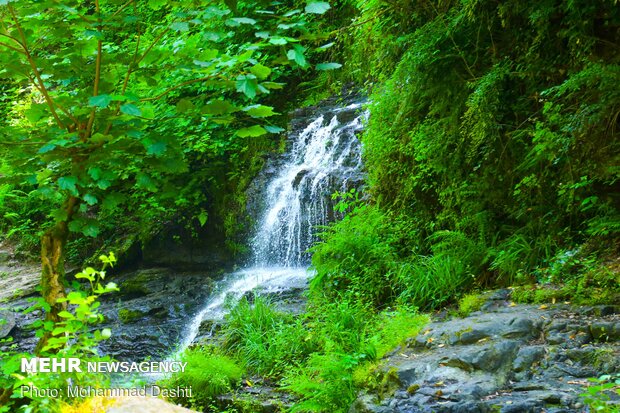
[[526, 357], [508, 358], [7, 322]]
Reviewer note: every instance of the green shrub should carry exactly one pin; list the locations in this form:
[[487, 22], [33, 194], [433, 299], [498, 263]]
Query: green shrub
[[470, 303], [266, 340], [208, 374]]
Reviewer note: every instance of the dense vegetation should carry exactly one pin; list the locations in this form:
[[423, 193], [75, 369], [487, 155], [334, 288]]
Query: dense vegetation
[[492, 153]]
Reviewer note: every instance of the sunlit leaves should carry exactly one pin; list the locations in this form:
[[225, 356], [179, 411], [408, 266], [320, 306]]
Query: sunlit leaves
[[130, 109], [260, 71], [252, 131], [297, 55], [248, 85], [100, 101], [68, 183], [328, 66], [318, 7], [259, 111]]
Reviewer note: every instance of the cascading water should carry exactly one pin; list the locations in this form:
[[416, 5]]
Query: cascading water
[[324, 156]]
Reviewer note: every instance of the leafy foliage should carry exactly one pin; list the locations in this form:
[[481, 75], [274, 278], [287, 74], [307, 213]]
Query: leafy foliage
[[492, 146]]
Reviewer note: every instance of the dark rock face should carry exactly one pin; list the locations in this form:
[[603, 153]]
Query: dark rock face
[[508, 359], [147, 316], [158, 301]]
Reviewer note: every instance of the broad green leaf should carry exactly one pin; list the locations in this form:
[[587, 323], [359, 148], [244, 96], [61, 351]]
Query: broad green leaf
[[100, 101], [47, 148], [218, 107], [273, 129], [244, 20], [130, 109], [251, 131], [247, 85], [297, 54], [66, 314], [91, 229], [68, 183], [90, 199], [260, 71], [259, 111], [328, 66], [156, 148], [184, 105], [278, 40], [318, 7], [180, 26]]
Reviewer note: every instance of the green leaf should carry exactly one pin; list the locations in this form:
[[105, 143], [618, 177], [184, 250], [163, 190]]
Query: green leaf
[[66, 314], [244, 20], [318, 7], [259, 111], [47, 148], [180, 26], [297, 54], [100, 101], [156, 148], [90, 199], [278, 41], [184, 105], [218, 107], [251, 131], [202, 218], [328, 66], [130, 109], [273, 129], [91, 228], [260, 71], [106, 333], [68, 183], [248, 85]]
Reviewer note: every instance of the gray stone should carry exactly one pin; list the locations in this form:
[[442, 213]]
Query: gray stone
[[7, 322], [526, 357]]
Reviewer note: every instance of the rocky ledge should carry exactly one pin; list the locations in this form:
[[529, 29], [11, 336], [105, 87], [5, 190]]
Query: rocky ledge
[[504, 358]]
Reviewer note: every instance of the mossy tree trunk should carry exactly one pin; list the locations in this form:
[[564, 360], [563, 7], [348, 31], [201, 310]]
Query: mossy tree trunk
[[53, 245]]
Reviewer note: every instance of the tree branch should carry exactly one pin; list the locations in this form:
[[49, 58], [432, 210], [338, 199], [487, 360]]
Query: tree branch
[[12, 48], [37, 74], [91, 119]]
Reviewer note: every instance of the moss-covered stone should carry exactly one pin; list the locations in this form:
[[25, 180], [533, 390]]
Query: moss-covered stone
[[126, 315]]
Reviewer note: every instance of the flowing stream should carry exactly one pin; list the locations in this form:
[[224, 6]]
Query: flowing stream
[[323, 156]]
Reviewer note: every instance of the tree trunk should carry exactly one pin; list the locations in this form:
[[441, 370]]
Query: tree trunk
[[53, 270]]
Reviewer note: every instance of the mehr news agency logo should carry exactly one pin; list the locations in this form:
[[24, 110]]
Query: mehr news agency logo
[[75, 365]]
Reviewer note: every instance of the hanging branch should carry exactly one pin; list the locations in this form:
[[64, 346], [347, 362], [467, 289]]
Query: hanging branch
[[37, 74]]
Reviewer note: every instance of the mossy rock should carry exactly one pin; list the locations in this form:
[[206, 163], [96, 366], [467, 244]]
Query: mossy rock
[[126, 315], [136, 286]]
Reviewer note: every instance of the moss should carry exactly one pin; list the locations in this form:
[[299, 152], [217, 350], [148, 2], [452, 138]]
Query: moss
[[127, 316], [367, 376], [470, 303], [136, 286], [389, 383]]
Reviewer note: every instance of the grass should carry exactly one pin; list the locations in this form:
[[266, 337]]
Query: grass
[[208, 374]]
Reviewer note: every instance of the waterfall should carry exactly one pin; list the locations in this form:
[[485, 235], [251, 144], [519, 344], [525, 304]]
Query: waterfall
[[323, 156]]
